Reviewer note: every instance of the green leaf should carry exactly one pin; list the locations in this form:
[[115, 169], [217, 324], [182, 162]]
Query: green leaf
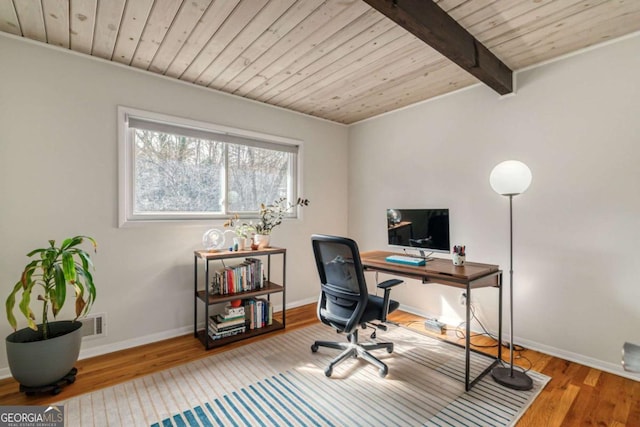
[[36, 251], [93, 243], [69, 267], [91, 289], [71, 242], [85, 258], [59, 294]]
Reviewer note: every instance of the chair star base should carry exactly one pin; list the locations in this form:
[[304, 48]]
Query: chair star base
[[355, 349]]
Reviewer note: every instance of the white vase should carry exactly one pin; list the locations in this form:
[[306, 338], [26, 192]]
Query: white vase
[[458, 259], [239, 242], [262, 240]]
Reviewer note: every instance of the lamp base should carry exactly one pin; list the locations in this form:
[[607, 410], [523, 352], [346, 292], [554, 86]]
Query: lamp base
[[514, 379]]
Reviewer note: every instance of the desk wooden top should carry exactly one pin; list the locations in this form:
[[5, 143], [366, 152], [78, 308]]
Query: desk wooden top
[[436, 270]]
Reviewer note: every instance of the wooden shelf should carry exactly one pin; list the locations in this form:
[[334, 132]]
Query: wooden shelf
[[203, 337], [218, 254], [269, 288]]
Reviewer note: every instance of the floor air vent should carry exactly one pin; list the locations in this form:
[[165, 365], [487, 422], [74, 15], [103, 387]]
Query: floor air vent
[[93, 326]]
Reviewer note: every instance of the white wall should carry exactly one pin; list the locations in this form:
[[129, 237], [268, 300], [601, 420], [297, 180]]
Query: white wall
[[576, 123], [58, 177]]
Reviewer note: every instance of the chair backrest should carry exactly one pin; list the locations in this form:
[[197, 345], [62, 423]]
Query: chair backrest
[[344, 295]]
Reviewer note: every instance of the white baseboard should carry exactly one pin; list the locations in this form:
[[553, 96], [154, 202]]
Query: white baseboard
[[612, 368], [134, 342], [591, 362], [148, 339]]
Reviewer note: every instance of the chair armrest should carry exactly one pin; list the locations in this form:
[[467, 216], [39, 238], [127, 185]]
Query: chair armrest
[[389, 283]]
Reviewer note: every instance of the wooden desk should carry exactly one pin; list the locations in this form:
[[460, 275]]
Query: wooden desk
[[472, 275]]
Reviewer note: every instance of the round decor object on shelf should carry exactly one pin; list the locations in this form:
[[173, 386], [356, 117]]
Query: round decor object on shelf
[[213, 239]]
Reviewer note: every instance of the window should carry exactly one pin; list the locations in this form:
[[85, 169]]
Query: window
[[178, 169]]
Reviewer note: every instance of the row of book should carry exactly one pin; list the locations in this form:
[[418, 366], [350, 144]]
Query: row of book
[[231, 322], [247, 276], [256, 313], [259, 313]]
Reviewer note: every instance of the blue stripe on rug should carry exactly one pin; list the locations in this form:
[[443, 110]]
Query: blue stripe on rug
[[179, 422], [268, 404], [202, 417], [236, 409], [303, 402], [279, 402], [255, 403], [215, 417], [291, 399]]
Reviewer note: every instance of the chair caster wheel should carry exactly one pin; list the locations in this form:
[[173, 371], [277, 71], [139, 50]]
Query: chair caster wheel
[[328, 372], [373, 335], [314, 348], [390, 349], [383, 372]]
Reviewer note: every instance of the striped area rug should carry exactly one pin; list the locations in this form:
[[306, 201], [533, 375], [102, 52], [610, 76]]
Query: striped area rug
[[280, 382]]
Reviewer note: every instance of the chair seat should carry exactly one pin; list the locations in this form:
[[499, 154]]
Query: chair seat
[[375, 308]]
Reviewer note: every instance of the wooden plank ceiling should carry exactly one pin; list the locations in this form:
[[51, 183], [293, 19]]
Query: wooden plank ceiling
[[336, 59]]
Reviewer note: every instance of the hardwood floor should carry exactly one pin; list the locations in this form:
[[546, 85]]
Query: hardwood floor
[[576, 395]]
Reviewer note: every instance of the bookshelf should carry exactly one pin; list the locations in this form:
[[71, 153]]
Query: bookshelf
[[206, 298]]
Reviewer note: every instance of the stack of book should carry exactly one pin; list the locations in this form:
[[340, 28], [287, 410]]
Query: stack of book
[[259, 312], [227, 324], [247, 276]]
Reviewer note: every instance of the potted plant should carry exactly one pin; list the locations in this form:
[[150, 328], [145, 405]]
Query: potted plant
[[242, 231], [271, 216], [42, 354]]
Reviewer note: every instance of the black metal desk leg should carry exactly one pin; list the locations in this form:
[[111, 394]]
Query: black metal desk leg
[[284, 290], [467, 346], [195, 300], [206, 303], [500, 317]]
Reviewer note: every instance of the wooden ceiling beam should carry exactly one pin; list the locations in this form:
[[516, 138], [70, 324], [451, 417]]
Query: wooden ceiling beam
[[427, 21]]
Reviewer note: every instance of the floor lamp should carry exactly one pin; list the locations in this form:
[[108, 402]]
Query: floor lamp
[[511, 178]]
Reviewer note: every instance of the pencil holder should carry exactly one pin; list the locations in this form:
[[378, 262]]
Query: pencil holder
[[458, 259]]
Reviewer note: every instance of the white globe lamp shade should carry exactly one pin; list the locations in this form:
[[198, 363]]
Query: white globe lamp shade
[[510, 178]]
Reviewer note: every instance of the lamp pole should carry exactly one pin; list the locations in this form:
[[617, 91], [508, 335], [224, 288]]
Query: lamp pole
[[511, 178], [511, 282]]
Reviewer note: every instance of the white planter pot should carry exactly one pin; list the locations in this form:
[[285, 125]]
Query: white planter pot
[[262, 240]]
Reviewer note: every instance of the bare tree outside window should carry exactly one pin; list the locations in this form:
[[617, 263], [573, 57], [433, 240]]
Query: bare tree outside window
[[178, 174], [256, 175], [175, 173]]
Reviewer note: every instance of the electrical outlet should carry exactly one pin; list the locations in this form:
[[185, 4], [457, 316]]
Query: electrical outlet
[[463, 298]]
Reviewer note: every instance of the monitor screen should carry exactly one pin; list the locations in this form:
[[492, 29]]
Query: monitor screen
[[421, 229]]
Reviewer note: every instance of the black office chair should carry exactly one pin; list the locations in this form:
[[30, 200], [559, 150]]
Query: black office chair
[[344, 303]]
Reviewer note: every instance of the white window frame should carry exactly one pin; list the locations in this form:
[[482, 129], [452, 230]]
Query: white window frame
[[126, 215]]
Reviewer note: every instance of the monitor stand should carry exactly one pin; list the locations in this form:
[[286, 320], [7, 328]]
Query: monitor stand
[[424, 256]]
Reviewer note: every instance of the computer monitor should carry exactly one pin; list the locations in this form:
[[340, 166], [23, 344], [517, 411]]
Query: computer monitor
[[425, 230]]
